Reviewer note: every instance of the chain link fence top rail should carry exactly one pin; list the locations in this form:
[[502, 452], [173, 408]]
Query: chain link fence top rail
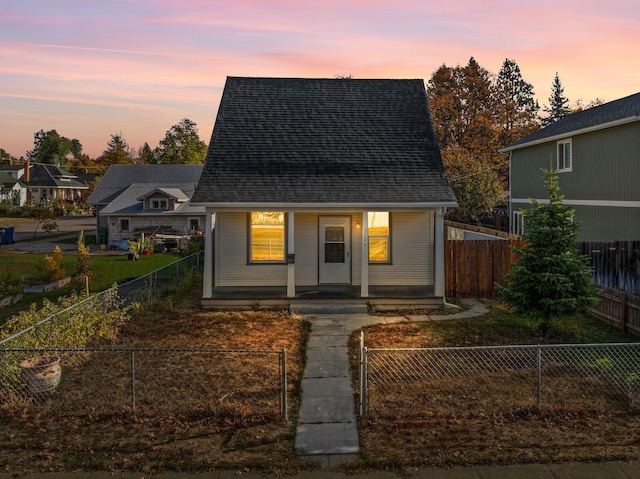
[[153, 285], [482, 380], [222, 384], [145, 289]]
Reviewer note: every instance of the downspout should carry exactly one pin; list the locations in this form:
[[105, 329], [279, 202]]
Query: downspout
[[439, 240]]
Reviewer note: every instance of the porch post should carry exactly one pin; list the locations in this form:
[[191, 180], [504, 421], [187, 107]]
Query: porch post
[[364, 276], [207, 277], [439, 254], [291, 265]]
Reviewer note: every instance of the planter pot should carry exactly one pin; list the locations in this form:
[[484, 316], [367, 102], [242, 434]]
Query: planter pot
[[41, 374]]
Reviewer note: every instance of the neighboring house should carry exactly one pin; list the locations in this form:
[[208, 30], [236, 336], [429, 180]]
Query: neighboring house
[[15, 171], [152, 199], [12, 191], [50, 183], [596, 153], [318, 182]]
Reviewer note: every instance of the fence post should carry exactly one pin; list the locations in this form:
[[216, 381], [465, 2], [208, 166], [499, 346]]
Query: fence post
[[623, 313], [283, 385], [539, 368], [133, 380], [363, 377]]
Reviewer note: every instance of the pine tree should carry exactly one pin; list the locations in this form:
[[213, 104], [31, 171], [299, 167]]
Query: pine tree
[[558, 103], [551, 278], [117, 152], [517, 108]]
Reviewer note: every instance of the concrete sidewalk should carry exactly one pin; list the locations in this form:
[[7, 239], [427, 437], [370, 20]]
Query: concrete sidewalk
[[327, 426]]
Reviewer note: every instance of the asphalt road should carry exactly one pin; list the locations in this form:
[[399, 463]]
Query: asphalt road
[[26, 238]]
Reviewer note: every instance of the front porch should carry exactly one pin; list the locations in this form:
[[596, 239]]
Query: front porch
[[381, 298]]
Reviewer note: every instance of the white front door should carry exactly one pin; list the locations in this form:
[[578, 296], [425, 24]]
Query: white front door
[[335, 250]]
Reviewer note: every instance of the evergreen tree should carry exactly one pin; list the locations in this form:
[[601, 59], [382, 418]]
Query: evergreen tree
[[551, 278], [145, 155], [517, 108], [117, 152], [558, 103]]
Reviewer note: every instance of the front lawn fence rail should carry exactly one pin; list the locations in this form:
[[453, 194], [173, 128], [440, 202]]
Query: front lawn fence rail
[[151, 286], [228, 384], [487, 380]]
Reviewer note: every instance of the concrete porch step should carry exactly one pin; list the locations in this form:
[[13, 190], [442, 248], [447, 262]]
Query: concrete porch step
[[334, 307]]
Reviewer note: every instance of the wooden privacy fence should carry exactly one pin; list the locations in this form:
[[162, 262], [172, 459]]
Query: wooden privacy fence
[[472, 268], [616, 264], [622, 310]]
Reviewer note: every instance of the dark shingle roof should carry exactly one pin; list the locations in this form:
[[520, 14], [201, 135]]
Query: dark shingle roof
[[617, 110], [8, 181], [52, 176], [294, 140], [119, 177]]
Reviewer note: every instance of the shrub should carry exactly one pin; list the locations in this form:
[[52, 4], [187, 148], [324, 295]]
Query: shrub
[[54, 264]]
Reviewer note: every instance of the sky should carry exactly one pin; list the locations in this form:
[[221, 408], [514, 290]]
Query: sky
[[90, 69]]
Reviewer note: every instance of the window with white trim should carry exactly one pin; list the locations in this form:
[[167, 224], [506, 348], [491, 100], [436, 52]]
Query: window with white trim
[[266, 237], [379, 233], [124, 224], [565, 155], [517, 227], [159, 204]]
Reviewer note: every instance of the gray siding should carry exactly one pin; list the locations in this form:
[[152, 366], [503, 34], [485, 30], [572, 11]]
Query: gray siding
[[605, 168]]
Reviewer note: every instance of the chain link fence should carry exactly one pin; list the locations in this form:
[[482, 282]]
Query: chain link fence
[[419, 383], [151, 286], [215, 383]]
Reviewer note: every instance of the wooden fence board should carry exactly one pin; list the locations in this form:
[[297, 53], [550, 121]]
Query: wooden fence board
[[473, 267]]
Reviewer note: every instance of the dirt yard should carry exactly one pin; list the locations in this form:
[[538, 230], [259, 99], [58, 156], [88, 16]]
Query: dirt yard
[[88, 423], [489, 419]]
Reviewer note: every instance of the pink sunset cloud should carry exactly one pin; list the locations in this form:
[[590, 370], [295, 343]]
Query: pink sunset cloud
[[138, 67]]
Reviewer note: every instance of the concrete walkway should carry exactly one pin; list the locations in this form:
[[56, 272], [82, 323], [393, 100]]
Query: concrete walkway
[[327, 425]]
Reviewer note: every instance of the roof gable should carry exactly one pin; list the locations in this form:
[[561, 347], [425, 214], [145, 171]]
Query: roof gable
[[8, 181], [52, 176], [131, 199], [119, 177], [623, 110], [172, 193], [293, 140]]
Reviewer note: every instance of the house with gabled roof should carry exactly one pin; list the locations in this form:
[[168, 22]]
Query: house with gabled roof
[[323, 185], [50, 183], [596, 153], [12, 191], [136, 200]]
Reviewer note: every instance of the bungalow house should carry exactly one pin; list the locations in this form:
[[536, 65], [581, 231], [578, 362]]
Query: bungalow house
[[132, 200], [50, 183], [331, 186], [596, 153], [12, 191]]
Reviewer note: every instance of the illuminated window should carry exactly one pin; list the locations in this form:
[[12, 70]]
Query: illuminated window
[[266, 236], [379, 239]]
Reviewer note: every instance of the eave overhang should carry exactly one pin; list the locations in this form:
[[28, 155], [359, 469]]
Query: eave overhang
[[547, 139]]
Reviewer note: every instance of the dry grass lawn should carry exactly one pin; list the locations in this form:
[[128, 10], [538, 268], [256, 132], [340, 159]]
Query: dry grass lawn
[[493, 419], [87, 424]]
